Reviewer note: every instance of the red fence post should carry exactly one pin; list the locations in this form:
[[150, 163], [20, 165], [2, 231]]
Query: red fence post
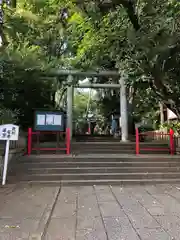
[[67, 141], [137, 141], [171, 136], [29, 147]]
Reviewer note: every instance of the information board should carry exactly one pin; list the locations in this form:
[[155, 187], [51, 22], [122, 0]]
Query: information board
[[9, 132], [49, 121]]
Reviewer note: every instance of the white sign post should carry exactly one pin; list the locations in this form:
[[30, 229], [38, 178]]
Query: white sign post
[[8, 132]]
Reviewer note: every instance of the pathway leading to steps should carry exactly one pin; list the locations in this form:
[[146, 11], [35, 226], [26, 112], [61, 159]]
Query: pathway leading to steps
[[90, 213]]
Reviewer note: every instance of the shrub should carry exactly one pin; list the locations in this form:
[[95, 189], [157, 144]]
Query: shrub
[[175, 125]]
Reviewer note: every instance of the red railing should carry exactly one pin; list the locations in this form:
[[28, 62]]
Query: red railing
[[30, 147], [155, 136]]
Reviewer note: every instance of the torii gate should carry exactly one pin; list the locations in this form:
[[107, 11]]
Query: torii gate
[[122, 86]]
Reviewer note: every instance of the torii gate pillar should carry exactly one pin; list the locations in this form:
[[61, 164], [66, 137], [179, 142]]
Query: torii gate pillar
[[123, 110], [70, 105]]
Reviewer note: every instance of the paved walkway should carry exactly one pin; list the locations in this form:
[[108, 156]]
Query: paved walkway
[[90, 213]]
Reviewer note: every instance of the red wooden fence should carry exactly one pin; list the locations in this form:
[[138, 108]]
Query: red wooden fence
[[30, 147], [155, 135]]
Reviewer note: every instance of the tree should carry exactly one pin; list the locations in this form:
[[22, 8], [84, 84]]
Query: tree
[[34, 44], [80, 105], [84, 103], [138, 37]]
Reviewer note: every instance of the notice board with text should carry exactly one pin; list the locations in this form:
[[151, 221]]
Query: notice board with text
[[49, 121]]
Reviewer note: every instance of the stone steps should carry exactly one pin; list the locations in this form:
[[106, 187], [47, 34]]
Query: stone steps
[[117, 147], [93, 138], [112, 182], [99, 179], [97, 158], [86, 165], [99, 170], [120, 151], [106, 147], [94, 176], [101, 182], [95, 170], [98, 163]]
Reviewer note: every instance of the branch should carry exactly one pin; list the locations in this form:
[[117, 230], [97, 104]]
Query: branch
[[3, 37], [163, 95], [106, 6], [129, 6]]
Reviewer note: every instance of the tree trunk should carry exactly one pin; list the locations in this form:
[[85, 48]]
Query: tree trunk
[[161, 106]]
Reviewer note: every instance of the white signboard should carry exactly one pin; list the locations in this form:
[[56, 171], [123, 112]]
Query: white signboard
[[170, 114], [9, 132]]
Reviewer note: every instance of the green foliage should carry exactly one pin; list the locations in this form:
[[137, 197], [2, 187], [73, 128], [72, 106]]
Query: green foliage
[[85, 104], [145, 128], [82, 104], [34, 34], [33, 43], [174, 125], [7, 116], [140, 39]]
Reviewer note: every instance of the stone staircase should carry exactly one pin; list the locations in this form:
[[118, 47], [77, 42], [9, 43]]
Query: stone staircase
[[104, 147], [98, 160], [92, 169], [118, 148], [95, 138]]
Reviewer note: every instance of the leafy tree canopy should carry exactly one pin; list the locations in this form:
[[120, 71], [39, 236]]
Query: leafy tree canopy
[[140, 38], [32, 42]]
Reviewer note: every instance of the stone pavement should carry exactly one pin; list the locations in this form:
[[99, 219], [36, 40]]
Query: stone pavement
[[149, 212]]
